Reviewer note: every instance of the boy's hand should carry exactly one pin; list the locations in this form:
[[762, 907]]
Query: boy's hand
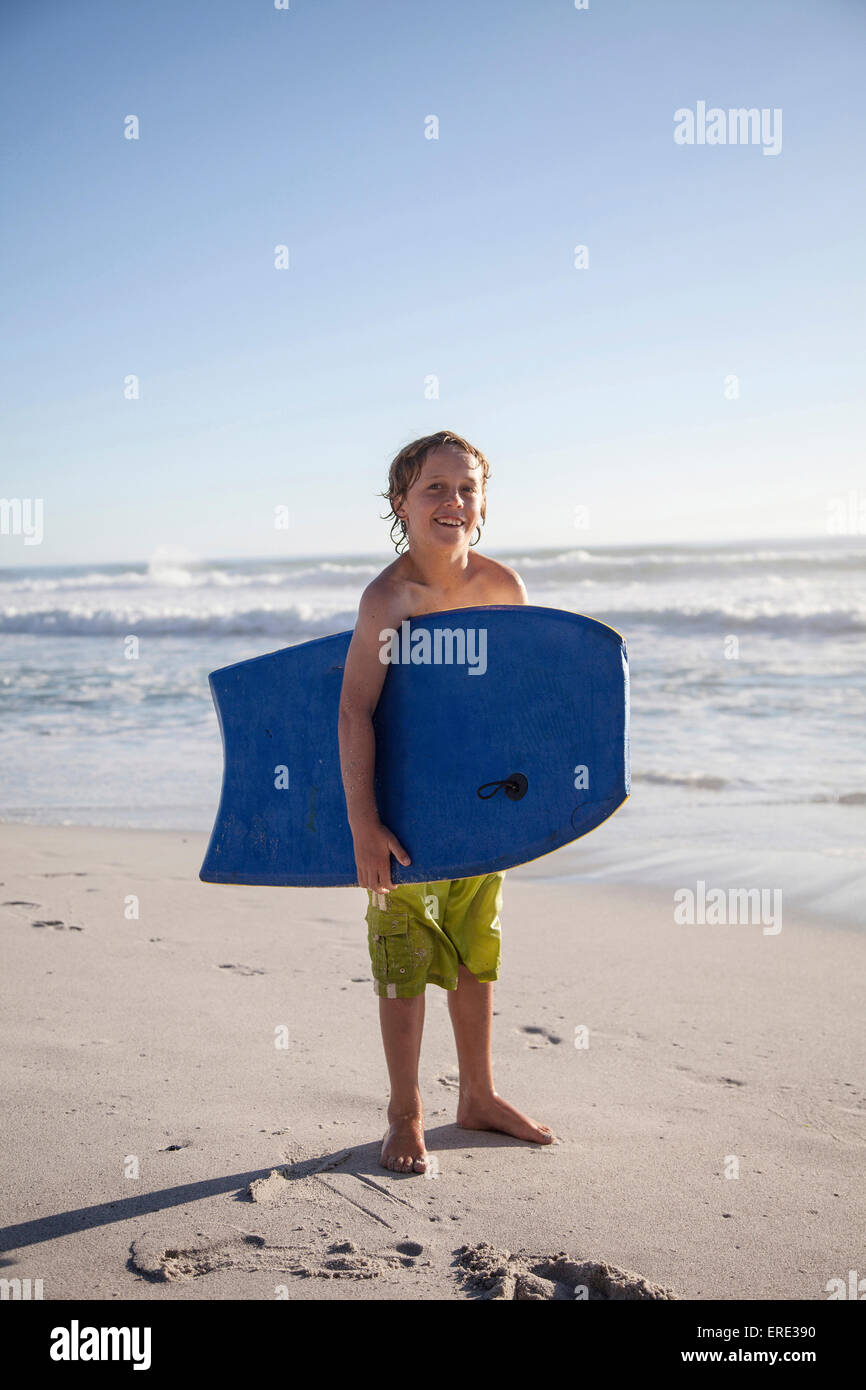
[[374, 845]]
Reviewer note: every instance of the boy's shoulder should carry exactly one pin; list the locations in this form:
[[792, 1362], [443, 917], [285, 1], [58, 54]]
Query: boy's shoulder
[[501, 583], [384, 601], [504, 581], [396, 594]]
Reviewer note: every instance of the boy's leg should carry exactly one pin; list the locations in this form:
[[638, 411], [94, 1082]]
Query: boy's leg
[[471, 1008], [402, 1023], [474, 927], [472, 922], [402, 956]]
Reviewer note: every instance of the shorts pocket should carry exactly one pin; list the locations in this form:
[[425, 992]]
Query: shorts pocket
[[388, 937]]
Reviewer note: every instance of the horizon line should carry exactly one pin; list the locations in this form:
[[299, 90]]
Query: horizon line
[[728, 541]]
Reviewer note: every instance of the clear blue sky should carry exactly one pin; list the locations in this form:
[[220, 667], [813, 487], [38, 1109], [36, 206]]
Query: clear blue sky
[[412, 257]]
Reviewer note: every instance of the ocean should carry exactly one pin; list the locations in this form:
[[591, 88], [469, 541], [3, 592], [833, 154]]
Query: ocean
[[748, 699]]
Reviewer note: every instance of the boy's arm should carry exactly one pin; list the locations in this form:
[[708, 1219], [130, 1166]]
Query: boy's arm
[[363, 678]]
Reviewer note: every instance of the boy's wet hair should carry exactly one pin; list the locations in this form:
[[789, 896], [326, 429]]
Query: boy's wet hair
[[406, 467]]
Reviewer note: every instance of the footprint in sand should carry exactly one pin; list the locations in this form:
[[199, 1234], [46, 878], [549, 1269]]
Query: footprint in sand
[[488, 1273], [706, 1079], [538, 1037], [252, 1253]]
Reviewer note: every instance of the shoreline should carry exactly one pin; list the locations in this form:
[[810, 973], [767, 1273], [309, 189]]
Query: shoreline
[[822, 902]]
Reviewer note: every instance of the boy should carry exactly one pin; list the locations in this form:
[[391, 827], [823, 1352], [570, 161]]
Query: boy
[[436, 488]]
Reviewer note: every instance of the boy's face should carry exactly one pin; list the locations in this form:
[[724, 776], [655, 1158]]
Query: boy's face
[[448, 489]]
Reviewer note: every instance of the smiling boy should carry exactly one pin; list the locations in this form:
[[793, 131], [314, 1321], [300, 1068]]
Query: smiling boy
[[448, 932]]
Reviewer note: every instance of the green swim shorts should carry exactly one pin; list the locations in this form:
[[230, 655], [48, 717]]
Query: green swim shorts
[[420, 933]]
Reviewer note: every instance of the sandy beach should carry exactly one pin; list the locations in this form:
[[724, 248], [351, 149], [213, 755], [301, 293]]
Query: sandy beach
[[196, 1091]]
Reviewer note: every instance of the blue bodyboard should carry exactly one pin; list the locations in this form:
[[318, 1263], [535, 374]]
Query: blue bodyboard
[[476, 769]]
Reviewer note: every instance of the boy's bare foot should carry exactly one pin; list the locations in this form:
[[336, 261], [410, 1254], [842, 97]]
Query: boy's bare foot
[[403, 1149], [492, 1112]]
